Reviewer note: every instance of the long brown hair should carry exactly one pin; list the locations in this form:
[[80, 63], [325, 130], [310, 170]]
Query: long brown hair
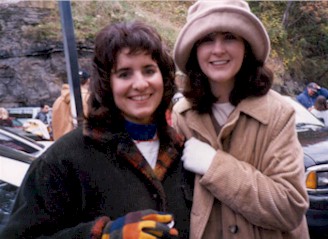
[[253, 79]]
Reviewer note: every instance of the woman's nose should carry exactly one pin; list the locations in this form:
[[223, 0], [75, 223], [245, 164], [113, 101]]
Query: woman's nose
[[218, 46], [140, 82]]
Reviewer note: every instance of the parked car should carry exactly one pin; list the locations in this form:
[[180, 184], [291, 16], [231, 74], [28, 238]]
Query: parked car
[[22, 141], [23, 113], [313, 136], [16, 154]]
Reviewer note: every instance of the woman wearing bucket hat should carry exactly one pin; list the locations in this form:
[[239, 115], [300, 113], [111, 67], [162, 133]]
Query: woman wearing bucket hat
[[241, 138]]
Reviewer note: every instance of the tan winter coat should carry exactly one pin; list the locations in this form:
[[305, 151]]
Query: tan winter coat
[[62, 120], [257, 175]]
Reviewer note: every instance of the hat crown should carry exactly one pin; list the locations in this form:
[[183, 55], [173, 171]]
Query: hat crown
[[207, 16], [205, 5]]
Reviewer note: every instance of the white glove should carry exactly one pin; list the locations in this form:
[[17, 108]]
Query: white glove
[[197, 156]]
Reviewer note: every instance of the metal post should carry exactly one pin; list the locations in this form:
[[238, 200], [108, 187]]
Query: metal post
[[71, 60]]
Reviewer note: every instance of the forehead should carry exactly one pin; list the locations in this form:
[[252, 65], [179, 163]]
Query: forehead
[[126, 56], [131, 52]]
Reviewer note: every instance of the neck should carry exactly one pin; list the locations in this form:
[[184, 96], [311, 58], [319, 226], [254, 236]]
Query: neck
[[222, 90]]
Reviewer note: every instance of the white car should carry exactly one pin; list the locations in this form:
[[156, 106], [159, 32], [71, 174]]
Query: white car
[[16, 154]]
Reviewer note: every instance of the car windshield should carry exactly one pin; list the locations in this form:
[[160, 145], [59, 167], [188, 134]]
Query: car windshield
[[15, 144]]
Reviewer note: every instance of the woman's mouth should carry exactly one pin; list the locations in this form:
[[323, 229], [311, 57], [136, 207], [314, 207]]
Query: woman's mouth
[[140, 97]]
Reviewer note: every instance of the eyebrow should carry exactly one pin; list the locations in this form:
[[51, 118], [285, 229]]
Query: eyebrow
[[128, 68]]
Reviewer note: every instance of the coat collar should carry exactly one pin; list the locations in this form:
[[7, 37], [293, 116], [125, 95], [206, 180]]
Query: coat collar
[[170, 147], [255, 107]]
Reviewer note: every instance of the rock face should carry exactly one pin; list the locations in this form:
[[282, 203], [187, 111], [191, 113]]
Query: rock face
[[31, 71]]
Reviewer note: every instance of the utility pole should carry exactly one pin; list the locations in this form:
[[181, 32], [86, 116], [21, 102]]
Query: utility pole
[[71, 58]]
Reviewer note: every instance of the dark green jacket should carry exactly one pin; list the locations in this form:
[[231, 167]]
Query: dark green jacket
[[79, 179]]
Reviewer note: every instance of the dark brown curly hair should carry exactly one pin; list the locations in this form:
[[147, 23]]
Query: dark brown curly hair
[[253, 79], [321, 103], [138, 38]]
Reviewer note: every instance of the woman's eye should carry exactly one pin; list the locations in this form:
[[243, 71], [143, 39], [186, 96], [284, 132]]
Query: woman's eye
[[208, 38], [124, 74], [150, 71], [229, 36]]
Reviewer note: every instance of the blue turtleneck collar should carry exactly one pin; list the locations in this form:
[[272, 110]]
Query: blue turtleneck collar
[[140, 131]]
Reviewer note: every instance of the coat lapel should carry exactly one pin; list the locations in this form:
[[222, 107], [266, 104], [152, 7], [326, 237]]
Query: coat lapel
[[168, 153]]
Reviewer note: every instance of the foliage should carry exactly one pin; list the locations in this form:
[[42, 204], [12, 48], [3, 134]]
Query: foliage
[[308, 31], [270, 14], [298, 29], [299, 36]]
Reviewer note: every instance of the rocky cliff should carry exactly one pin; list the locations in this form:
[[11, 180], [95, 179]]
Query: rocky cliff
[[32, 60], [32, 70]]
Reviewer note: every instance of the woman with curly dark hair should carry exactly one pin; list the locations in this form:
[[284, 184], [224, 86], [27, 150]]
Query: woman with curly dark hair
[[120, 176], [241, 136]]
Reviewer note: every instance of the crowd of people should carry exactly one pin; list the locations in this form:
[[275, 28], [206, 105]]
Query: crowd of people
[[215, 161], [314, 98]]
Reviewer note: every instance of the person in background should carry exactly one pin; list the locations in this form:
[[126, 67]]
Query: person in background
[[320, 109], [178, 83], [241, 136], [4, 118], [62, 120], [120, 175], [310, 94], [43, 114]]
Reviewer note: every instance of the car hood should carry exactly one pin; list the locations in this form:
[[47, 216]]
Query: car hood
[[315, 145]]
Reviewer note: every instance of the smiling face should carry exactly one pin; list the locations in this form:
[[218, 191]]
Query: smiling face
[[137, 86], [220, 56]]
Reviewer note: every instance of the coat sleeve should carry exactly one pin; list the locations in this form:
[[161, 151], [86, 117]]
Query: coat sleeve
[[271, 196], [62, 121], [46, 207]]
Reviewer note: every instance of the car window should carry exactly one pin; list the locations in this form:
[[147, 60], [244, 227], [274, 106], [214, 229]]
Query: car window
[[15, 144], [7, 198]]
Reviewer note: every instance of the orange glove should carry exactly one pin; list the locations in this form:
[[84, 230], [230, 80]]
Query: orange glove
[[145, 224]]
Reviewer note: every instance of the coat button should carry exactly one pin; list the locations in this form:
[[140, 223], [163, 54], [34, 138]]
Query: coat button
[[233, 229], [155, 195]]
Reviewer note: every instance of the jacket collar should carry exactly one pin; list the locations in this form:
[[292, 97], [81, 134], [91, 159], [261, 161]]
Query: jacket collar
[[170, 147], [202, 125], [255, 107]]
